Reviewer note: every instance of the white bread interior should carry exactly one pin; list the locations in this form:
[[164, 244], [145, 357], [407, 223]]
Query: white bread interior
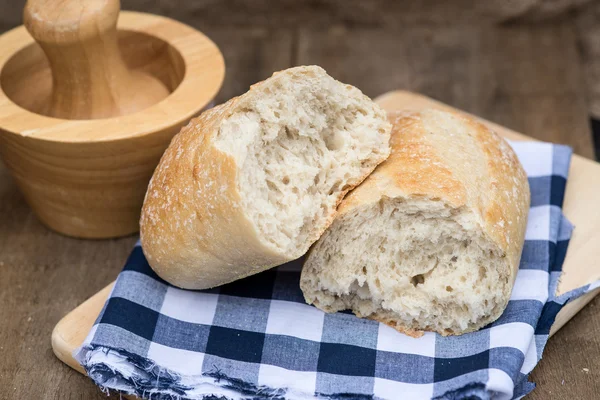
[[431, 241], [300, 143], [410, 261], [257, 180]]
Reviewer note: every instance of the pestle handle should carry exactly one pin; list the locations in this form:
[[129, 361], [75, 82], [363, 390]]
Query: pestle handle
[[90, 78]]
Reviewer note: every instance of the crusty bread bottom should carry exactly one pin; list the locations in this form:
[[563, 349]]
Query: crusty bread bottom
[[413, 263], [304, 142]]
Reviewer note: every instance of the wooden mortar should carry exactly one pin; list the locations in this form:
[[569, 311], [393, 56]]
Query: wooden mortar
[[89, 106]]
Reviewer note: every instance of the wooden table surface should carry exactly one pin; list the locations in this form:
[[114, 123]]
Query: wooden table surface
[[527, 77]]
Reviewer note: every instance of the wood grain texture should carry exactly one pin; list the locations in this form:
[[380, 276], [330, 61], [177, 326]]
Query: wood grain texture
[[318, 13], [35, 265], [251, 54], [44, 275], [507, 74], [569, 368], [87, 177]]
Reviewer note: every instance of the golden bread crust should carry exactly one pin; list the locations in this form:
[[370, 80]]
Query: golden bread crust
[[423, 165], [194, 229]]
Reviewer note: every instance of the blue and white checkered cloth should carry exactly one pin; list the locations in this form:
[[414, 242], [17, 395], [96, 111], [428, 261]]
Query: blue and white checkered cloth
[[256, 338]]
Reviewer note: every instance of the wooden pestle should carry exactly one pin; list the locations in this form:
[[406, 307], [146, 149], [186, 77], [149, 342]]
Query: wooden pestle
[[89, 77]]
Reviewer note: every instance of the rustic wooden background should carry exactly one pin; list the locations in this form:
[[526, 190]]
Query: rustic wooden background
[[533, 66]]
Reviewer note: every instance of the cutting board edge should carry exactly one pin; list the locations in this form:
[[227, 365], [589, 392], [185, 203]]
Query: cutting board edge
[[71, 331]]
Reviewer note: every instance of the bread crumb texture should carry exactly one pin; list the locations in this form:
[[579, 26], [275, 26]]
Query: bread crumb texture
[[431, 241], [254, 182]]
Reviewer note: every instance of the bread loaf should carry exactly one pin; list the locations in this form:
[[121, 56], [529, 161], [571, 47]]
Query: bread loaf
[[430, 241], [252, 183]]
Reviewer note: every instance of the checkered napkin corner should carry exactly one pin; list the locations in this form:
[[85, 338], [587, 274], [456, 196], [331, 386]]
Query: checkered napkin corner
[[256, 338]]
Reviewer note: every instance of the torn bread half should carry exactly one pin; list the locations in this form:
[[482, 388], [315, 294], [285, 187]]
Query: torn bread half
[[431, 240], [252, 183]]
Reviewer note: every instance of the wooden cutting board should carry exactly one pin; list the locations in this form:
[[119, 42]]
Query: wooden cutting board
[[582, 264]]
